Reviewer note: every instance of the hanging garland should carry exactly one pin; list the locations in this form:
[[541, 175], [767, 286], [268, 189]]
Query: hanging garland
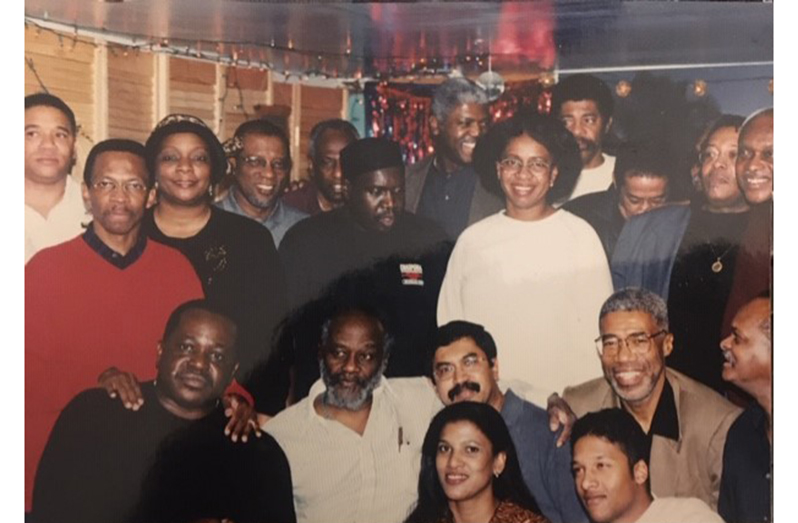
[[401, 112]]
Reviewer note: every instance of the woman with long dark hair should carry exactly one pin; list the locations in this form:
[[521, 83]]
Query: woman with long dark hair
[[470, 471]]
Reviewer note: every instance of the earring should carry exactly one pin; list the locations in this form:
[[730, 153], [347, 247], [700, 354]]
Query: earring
[[496, 474], [210, 191]]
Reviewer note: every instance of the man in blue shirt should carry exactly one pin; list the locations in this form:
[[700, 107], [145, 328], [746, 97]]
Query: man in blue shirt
[[262, 159], [465, 368]]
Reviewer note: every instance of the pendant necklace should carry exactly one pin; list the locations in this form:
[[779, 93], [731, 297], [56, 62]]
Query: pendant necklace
[[717, 265]]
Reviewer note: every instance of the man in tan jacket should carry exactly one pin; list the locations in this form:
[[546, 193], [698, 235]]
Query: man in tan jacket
[[686, 421]]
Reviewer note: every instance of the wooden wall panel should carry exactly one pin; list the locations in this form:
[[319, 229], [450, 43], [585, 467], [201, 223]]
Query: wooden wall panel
[[245, 88], [67, 72], [192, 88], [130, 95], [317, 104]]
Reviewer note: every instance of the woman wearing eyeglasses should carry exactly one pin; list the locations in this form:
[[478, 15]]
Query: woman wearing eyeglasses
[[470, 471], [533, 275], [234, 256]]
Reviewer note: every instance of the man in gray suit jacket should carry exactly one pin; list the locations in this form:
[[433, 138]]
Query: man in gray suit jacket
[[686, 421], [444, 187]]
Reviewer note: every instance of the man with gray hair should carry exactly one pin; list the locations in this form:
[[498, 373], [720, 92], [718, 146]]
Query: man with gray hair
[[686, 421], [354, 443], [444, 186]]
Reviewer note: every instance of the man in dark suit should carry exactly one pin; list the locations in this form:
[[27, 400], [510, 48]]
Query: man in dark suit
[[686, 421], [444, 186]]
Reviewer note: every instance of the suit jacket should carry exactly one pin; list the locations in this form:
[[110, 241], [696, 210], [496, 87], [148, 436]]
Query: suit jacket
[[483, 203], [692, 466]]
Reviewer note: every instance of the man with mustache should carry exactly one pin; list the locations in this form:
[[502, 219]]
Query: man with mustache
[[584, 103], [370, 246], [97, 301], [170, 461], [54, 210], [444, 186], [746, 488], [465, 367], [686, 421], [262, 159], [354, 444]]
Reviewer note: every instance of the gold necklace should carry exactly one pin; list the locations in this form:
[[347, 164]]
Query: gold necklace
[[717, 265]]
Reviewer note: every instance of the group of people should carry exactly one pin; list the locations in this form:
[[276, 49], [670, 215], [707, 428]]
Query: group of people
[[206, 343]]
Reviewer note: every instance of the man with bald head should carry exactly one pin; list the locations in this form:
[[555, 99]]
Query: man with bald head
[[746, 485], [754, 266]]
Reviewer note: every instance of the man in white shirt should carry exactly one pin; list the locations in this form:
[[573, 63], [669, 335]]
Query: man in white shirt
[[354, 443], [54, 207], [611, 474], [584, 104]]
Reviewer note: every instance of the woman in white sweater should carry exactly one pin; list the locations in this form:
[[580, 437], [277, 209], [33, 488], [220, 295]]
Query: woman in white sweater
[[533, 275]]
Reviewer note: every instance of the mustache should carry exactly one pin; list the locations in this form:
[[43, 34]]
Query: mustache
[[460, 387], [588, 144], [338, 377]]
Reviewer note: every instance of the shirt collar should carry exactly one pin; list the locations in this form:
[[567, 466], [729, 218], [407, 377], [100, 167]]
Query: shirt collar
[[111, 256], [440, 171], [665, 422]]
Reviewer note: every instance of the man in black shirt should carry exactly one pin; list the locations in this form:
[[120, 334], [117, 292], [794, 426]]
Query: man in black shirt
[[444, 186], [96, 466], [641, 178], [746, 484], [370, 250]]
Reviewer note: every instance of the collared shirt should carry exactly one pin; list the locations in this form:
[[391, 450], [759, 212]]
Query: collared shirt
[[63, 222], [665, 422], [279, 221], [341, 476], [446, 197], [120, 261]]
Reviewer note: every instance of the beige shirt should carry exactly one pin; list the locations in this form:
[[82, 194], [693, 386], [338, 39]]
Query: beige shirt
[[679, 510], [341, 476], [537, 287], [62, 223]]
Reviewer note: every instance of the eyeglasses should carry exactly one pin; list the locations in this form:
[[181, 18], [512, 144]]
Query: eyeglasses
[[711, 155], [638, 343], [258, 162], [132, 188], [514, 166], [444, 371]]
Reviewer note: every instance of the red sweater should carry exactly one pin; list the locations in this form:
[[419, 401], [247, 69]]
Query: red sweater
[[83, 315]]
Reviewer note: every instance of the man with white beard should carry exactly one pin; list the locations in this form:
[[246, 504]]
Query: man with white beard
[[354, 443]]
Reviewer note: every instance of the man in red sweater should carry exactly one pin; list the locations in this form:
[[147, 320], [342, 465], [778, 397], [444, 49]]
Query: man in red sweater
[[98, 301]]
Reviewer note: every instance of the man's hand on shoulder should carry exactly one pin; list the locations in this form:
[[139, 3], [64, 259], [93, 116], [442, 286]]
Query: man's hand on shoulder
[[560, 414], [123, 385], [243, 418]]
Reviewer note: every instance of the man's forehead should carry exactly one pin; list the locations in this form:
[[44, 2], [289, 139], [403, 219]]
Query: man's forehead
[[625, 320], [262, 141], [758, 128], [107, 164], [585, 106], [458, 349]]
